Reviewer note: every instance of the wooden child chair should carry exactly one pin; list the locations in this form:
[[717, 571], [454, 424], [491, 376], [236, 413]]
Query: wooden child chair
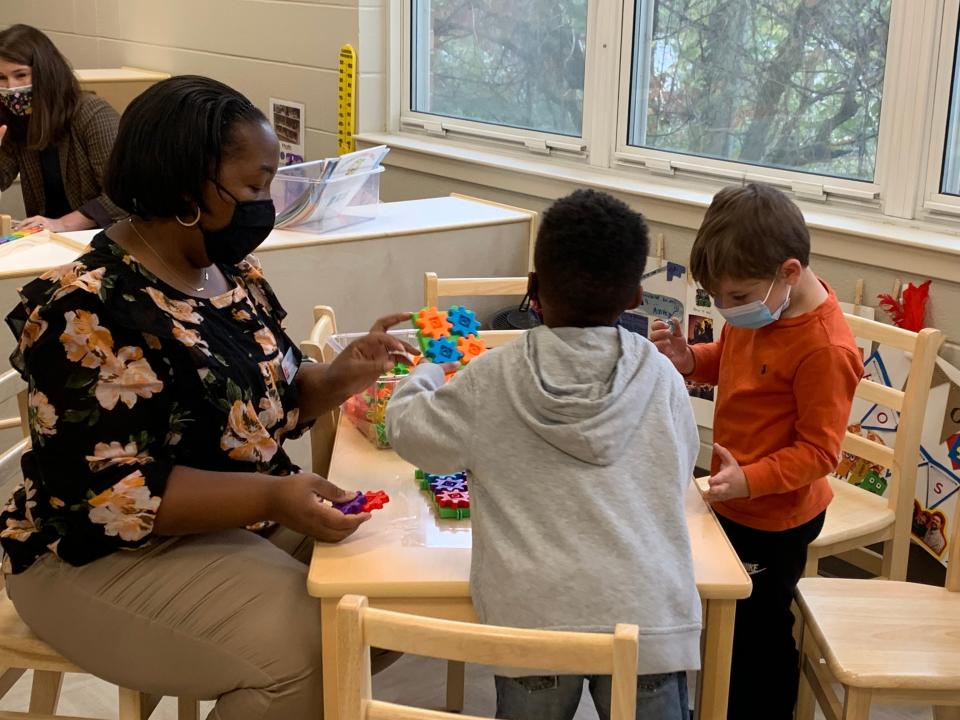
[[360, 626], [435, 288], [882, 640], [324, 430], [21, 650], [856, 517]]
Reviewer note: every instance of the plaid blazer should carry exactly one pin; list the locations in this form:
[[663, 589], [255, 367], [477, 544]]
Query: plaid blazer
[[83, 156]]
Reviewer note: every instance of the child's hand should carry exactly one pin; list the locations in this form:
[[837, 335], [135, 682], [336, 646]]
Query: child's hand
[[670, 342], [729, 482]]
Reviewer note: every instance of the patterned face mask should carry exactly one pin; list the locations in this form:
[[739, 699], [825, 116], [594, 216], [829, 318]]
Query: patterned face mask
[[17, 100]]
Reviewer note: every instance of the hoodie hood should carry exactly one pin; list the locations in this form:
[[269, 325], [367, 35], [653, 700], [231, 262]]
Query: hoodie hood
[[576, 389]]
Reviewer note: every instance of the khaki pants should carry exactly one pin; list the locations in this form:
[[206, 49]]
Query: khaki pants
[[222, 616]]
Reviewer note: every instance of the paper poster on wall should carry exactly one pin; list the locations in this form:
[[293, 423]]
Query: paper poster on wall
[[938, 479], [938, 466], [670, 295], [289, 123], [704, 324], [664, 294]]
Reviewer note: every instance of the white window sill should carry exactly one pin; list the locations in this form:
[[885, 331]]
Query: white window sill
[[858, 236]]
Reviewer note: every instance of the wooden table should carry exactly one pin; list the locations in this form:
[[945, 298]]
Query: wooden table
[[405, 559]]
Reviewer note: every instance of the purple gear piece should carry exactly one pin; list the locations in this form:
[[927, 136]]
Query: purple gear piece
[[352, 507]]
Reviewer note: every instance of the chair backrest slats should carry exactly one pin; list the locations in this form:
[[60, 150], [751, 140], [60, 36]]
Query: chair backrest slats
[[359, 627]]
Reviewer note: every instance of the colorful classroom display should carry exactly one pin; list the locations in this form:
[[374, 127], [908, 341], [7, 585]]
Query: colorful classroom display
[[449, 493], [444, 336], [938, 467], [671, 295]]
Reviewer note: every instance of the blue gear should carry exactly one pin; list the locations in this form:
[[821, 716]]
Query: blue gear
[[464, 321], [443, 350]]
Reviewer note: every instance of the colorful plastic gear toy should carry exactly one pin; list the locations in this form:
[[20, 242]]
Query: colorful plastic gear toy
[[463, 321], [432, 323], [375, 500], [443, 350]]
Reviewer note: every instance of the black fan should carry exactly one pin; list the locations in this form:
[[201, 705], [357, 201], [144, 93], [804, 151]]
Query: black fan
[[512, 318]]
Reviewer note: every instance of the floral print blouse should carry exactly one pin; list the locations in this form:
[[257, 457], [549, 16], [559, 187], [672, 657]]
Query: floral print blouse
[[128, 377]]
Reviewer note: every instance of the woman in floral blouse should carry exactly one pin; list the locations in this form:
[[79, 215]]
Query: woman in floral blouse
[[161, 389]]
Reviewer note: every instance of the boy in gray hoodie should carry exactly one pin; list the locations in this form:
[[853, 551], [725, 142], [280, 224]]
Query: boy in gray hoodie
[[580, 442]]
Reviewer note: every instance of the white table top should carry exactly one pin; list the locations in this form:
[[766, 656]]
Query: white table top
[[403, 218], [35, 254], [404, 550]]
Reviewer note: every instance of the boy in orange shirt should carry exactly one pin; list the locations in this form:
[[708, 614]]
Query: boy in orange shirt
[[786, 367]]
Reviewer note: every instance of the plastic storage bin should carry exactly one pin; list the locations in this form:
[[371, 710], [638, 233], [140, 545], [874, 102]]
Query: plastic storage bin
[[306, 201], [367, 410]]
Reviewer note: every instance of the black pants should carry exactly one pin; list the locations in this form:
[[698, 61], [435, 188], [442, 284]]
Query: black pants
[[765, 671]]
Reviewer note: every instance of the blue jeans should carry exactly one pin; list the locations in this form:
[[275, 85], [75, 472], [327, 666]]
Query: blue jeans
[[556, 697]]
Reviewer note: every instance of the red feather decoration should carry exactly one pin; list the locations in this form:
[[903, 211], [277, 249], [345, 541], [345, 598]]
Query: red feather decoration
[[910, 313]]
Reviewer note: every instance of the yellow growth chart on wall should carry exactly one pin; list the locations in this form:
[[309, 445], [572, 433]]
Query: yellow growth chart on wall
[[347, 101]]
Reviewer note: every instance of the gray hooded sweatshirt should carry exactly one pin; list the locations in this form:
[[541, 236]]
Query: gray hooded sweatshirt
[[580, 444]]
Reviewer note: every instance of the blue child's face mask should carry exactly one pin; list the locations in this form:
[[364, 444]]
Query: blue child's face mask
[[755, 315]]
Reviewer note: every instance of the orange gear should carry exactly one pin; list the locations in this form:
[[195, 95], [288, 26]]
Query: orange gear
[[433, 323], [471, 347]]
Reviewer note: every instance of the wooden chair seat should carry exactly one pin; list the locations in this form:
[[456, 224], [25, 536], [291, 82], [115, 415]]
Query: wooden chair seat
[[854, 514], [885, 635], [19, 647]]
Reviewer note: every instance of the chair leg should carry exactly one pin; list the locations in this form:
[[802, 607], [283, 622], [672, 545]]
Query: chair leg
[[45, 693], [895, 559], [806, 701], [812, 566], [856, 704], [188, 709], [131, 704], [455, 681], [945, 712]]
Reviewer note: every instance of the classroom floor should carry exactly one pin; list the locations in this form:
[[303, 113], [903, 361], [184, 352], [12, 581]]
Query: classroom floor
[[412, 680]]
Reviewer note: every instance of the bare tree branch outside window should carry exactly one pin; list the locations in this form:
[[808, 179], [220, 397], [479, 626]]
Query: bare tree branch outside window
[[518, 63], [793, 84]]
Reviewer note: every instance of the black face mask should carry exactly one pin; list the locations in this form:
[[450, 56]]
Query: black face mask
[[252, 221]]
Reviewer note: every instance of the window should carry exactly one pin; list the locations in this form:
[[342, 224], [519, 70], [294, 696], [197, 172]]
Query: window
[[792, 84], [846, 102], [950, 181], [519, 64]]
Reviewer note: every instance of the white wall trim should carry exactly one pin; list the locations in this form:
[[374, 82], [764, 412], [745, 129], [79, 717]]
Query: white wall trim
[[909, 247]]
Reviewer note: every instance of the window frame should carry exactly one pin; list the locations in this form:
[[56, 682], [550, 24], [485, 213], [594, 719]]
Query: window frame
[[934, 201]]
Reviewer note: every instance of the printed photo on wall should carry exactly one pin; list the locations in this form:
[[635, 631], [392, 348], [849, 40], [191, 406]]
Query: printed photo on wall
[[700, 330], [287, 118], [929, 527]]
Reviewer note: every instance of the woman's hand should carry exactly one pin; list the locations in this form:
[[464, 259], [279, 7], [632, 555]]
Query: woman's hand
[[3, 131], [368, 357], [40, 222], [296, 503]]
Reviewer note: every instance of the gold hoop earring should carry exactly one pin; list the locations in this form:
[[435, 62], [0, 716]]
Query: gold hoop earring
[[189, 224]]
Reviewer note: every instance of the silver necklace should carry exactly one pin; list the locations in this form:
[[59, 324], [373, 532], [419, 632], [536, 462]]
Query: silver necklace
[[206, 270]]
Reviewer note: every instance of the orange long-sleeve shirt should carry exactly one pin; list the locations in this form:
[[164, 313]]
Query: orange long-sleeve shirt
[[783, 402]]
